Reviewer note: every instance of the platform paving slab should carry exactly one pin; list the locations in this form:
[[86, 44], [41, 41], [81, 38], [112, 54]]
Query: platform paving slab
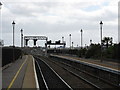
[[14, 76], [9, 73], [107, 64], [29, 78]]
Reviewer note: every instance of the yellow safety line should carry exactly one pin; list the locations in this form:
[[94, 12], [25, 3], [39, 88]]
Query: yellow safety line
[[16, 75]]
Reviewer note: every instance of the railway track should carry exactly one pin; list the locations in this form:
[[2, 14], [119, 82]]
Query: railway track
[[92, 80], [48, 79], [95, 81], [83, 82]]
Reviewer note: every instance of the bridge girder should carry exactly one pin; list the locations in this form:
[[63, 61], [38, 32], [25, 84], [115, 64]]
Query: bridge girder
[[35, 37]]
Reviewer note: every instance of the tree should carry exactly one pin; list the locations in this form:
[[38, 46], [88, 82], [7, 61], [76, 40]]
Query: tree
[[107, 41], [93, 51]]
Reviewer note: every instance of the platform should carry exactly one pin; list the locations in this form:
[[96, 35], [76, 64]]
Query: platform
[[20, 74], [111, 66]]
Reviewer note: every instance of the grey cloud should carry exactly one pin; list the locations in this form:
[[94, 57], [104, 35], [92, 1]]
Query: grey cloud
[[27, 9], [68, 24], [19, 9], [107, 16]]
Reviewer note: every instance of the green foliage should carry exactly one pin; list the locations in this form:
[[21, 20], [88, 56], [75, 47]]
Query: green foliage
[[73, 51], [82, 52], [93, 51], [107, 41], [109, 50]]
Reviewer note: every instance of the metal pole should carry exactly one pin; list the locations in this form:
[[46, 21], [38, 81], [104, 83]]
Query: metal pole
[[70, 40], [1, 47], [21, 38], [24, 42], [13, 35], [62, 39], [1, 20], [13, 23], [46, 48], [81, 39], [101, 39], [101, 23], [101, 34], [72, 45]]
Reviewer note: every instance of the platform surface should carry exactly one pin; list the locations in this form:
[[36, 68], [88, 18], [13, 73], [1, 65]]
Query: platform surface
[[107, 64], [20, 74]]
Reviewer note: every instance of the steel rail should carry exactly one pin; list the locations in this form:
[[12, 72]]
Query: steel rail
[[42, 76], [79, 76], [57, 74]]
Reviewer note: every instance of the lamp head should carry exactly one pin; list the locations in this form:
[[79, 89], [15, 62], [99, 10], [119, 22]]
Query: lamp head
[[81, 30], [0, 5], [13, 23], [101, 23], [21, 30]]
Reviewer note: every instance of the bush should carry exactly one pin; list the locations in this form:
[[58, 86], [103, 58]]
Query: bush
[[93, 51]]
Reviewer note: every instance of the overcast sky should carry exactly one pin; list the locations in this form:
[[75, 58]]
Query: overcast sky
[[57, 18]]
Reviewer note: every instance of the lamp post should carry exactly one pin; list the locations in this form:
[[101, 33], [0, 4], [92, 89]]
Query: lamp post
[[70, 40], [0, 47], [46, 47], [90, 41], [1, 19], [21, 38], [72, 45], [62, 39], [13, 23], [101, 24], [0, 5], [81, 38]]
